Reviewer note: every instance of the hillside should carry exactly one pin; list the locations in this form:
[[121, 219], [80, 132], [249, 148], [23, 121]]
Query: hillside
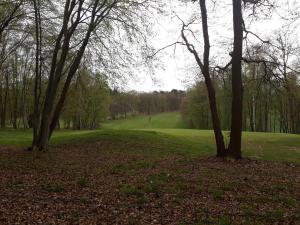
[[162, 120], [166, 131], [138, 170]]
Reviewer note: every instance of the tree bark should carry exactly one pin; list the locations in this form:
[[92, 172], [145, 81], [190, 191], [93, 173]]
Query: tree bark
[[234, 148], [38, 71], [70, 76], [221, 150], [4, 102]]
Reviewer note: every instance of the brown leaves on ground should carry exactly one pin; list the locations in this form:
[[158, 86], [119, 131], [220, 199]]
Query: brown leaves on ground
[[97, 184]]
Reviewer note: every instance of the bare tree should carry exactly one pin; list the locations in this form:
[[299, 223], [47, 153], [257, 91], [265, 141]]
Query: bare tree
[[234, 147], [11, 13], [205, 70]]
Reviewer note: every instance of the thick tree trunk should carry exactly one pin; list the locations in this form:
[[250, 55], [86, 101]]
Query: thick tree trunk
[[234, 149], [38, 73], [57, 67], [71, 73], [54, 79]]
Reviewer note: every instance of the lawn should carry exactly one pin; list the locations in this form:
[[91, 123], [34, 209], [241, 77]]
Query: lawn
[[136, 175], [263, 146], [161, 120], [256, 145]]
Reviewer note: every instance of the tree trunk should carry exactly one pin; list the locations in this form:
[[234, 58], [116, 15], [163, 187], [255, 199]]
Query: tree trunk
[[38, 72], [221, 150], [234, 149], [70, 76], [4, 103]]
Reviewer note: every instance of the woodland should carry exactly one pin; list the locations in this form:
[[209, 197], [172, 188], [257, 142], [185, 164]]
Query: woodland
[[77, 146]]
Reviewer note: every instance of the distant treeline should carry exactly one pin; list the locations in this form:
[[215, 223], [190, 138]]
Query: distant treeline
[[128, 103], [89, 101], [269, 105]]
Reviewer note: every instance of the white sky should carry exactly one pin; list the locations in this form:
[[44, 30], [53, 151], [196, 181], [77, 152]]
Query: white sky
[[179, 70]]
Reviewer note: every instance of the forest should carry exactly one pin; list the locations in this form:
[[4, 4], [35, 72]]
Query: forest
[[80, 144]]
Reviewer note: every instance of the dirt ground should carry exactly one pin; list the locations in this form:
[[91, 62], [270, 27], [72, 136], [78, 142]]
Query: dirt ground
[[95, 183]]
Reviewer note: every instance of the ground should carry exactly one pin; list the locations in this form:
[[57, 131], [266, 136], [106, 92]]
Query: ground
[[161, 176]]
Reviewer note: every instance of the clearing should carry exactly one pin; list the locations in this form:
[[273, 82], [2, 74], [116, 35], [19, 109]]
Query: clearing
[[133, 172]]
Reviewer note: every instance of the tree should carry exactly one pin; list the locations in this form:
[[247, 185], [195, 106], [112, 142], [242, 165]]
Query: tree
[[80, 21], [87, 102], [195, 107], [73, 15], [38, 69], [205, 70], [9, 12], [234, 148]]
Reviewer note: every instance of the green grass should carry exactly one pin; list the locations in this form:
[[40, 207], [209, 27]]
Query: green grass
[[22, 137], [162, 120], [256, 145], [138, 134]]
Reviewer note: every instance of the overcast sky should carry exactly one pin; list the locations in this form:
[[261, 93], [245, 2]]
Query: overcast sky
[[178, 68]]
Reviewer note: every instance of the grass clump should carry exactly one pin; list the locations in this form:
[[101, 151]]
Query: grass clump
[[143, 164], [82, 181], [217, 194], [275, 215], [224, 220], [157, 181], [132, 167], [119, 169], [130, 190], [56, 187]]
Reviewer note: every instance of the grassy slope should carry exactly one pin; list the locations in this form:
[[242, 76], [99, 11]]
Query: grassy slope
[[168, 138], [162, 120], [132, 176], [22, 138], [258, 145], [268, 146]]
